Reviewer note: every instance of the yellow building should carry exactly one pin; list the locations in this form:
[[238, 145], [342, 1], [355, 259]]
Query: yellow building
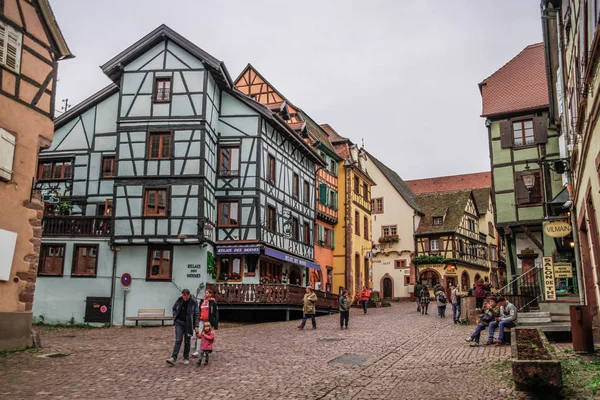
[[353, 237]]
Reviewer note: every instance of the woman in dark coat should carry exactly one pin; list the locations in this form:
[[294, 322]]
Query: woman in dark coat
[[425, 299], [480, 294]]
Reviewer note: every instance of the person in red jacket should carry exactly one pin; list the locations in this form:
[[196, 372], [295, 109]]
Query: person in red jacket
[[365, 295], [480, 294], [207, 337]]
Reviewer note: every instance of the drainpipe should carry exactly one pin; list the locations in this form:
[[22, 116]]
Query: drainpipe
[[115, 250], [569, 170]]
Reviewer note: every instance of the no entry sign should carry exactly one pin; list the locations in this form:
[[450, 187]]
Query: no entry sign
[[126, 279]]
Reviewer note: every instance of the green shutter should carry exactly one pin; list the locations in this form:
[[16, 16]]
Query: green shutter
[[335, 201], [323, 194], [335, 169], [321, 238], [332, 239]]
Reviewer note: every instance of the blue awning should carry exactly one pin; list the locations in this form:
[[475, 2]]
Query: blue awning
[[291, 258]]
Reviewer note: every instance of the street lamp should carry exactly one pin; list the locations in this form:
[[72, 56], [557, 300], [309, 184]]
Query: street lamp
[[528, 178]]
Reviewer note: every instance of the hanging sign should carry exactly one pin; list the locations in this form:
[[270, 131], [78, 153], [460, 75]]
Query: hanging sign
[[557, 229], [563, 270], [548, 269]]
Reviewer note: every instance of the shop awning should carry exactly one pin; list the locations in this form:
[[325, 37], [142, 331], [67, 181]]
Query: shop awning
[[280, 255], [229, 250]]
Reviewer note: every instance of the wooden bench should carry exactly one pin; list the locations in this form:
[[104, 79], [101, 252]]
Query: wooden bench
[[150, 314]]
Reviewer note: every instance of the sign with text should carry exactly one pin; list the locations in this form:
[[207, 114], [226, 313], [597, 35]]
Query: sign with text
[[563, 270], [291, 259], [548, 269], [238, 250], [193, 270], [557, 229]]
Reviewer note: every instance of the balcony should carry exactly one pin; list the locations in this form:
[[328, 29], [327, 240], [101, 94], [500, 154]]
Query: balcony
[[77, 226], [240, 296]]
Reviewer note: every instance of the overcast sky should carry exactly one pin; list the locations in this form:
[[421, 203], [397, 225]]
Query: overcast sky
[[402, 75]]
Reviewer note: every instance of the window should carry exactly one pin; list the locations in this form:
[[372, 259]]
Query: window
[[295, 229], [333, 200], [159, 146], [271, 169], [327, 233], [10, 48], [270, 269], [228, 213], [229, 161], [7, 154], [271, 219], [52, 260], [357, 223], [306, 233], [230, 267], [155, 204], [493, 253], [85, 260], [434, 245], [366, 191], [366, 227], [438, 220], [306, 192], [377, 205], [526, 196], [108, 166], [470, 225], [356, 185], [160, 263], [406, 280], [105, 209], [162, 90], [389, 230], [295, 186], [398, 264], [523, 133], [333, 167], [55, 170], [491, 229]]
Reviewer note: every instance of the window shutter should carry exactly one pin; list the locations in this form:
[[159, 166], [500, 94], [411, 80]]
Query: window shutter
[[506, 135], [426, 245], [11, 56], [521, 192], [335, 201], [323, 194], [540, 130], [7, 154], [321, 235], [2, 43], [332, 239]]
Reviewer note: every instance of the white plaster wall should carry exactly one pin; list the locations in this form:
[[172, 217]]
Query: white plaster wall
[[58, 299], [383, 264], [523, 242]]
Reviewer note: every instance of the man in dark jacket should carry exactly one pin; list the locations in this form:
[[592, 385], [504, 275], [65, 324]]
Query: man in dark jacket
[[185, 318], [344, 307], [418, 289]]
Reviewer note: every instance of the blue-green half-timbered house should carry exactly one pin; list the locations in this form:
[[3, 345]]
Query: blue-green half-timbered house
[[172, 176]]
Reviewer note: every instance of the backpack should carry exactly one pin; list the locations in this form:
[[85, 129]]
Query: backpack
[[442, 298]]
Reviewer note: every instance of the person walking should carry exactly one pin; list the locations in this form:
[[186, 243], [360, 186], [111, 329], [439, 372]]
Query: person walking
[[418, 288], [425, 299], [480, 294], [365, 295], [309, 309], [344, 307], [185, 320], [207, 337], [441, 302], [455, 299], [507, 319], [209, 312]]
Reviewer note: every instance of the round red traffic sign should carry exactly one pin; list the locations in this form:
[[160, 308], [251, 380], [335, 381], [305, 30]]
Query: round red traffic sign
[[103, 309], [126, 279]]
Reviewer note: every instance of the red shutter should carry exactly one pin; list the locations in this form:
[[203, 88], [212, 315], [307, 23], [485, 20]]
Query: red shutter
[[426, 245], [521, 192], [540, 130], [506, 137]]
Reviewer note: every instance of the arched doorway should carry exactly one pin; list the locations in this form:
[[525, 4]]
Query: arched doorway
[[429, 277], [388, 288], [464, 281], [295, 276], [316, 279]]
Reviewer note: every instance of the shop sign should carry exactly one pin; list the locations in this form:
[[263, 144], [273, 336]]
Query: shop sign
[[238, 250], [291, 259], [548, 269], [557, 229], [563, 270], [193, 270]]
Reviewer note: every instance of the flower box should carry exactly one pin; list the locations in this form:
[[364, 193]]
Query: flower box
[[535, 367]]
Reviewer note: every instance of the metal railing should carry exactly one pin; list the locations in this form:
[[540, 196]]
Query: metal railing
[[526, 287]]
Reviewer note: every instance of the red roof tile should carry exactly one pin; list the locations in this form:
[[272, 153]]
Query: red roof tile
[[333, 135], [520, 85], [450, 183]]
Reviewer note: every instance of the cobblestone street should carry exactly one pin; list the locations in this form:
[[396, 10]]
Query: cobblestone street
[[406, 355]]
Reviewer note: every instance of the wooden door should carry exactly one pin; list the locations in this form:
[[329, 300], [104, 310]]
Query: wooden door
[[387, 288]]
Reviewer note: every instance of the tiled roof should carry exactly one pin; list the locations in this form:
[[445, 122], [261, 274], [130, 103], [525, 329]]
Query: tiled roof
[[296, 125], [520, 85], [396, 182], [448, 183], [451, 205], [334, 137], [342, 149], [319, 135], [482, 199]]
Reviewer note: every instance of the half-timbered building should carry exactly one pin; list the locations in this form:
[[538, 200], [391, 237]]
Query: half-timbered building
[[174, 177], [31, 44]]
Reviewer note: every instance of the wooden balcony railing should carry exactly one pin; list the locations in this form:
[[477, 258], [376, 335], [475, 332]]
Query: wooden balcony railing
[[233, 293], [76, 226]]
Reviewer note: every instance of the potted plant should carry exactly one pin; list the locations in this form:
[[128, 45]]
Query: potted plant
[[65, 208]]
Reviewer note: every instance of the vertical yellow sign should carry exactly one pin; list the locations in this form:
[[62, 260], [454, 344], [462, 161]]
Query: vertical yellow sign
[[549, 287]]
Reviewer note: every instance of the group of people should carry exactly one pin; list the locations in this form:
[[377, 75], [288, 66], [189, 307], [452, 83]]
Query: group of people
[[496, 313], [423, 298], [191, 318], [309, 309]]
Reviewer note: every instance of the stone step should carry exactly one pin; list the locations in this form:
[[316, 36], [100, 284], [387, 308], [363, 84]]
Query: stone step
[[536, 314], [540, 317]]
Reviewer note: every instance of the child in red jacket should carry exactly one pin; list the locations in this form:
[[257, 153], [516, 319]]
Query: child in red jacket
[[207, 337]]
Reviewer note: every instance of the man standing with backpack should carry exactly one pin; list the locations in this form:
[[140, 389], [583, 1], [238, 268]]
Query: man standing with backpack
[[441, 302]]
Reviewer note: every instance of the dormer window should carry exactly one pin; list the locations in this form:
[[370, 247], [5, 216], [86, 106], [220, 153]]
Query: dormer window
[[438, 220], [162, 90]]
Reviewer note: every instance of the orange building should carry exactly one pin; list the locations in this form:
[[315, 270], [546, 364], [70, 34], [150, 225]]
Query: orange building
[[30, 46]]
